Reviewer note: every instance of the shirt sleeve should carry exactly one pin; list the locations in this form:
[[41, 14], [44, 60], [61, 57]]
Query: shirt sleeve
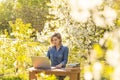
[[65, 56]]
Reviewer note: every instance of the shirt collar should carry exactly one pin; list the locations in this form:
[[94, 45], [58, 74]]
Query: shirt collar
[[60, 46]]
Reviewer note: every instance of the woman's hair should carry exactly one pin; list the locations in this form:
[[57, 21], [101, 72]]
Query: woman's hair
[[58, 35]]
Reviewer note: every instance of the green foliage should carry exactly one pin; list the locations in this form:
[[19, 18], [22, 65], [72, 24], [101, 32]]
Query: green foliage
[[21, 30], [43, 76], [10, 78], [16, 52], [35, 12], [5, 15]]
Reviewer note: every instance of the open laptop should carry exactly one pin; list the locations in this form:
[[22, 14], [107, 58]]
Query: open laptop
[[40, 62]]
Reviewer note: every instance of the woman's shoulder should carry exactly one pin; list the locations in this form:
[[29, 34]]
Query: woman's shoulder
[[51, 47], [66, 47]]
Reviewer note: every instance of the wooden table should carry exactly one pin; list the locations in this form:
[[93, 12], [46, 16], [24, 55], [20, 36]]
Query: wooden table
[[73, 73]]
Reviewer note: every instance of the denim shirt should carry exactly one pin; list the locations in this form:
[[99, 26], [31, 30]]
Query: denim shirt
[[57, 57]]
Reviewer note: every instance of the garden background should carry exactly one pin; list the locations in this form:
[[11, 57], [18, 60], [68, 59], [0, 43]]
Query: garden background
[[90, 28]]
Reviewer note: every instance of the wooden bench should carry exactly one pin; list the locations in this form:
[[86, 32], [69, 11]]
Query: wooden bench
[[73, 73]]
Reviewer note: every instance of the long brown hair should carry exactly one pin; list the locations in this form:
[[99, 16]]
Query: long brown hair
[[58, 35]]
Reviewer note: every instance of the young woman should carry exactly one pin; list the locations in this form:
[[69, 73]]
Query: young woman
[[58, 54]]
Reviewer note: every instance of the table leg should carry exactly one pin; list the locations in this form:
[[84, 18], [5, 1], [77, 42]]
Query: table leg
[[78, 76], [32, 75], [74, 77]]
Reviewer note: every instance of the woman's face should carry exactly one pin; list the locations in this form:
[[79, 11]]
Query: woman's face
[[55, 41]]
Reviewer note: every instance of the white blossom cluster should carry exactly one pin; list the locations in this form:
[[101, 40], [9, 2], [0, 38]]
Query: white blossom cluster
[[81, 10], [112, 42]]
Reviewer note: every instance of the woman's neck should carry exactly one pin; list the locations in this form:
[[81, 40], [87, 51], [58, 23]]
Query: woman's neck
[[57, 47]]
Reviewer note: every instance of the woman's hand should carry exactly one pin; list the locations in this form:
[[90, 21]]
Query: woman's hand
[[59, 66]]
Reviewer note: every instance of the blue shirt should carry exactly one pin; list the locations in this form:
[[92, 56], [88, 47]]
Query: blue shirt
[[57, 57]]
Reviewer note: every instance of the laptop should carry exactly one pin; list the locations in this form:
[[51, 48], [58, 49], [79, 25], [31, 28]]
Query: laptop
[[40, 62]]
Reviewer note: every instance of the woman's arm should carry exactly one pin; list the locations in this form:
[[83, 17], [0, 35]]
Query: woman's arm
[[65, 58], [48, 53]]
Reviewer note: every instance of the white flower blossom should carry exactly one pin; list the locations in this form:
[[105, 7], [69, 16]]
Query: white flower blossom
[[99, 21], [80, 16], [88, 76], [116, 73], [97, 68]]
